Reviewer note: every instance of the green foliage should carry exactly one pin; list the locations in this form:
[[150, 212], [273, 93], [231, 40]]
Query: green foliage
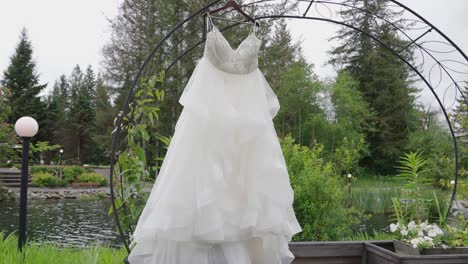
[[7, 140], [299, 105], [384, 80], [80, 117], [22, 80], [71, 173], [411, 173], [348, 155], [92, 177], [42, 147], [375, 235], [5, 109], [45, 179], [352, 114], [133, 164], [434, 140], [373, 196], [48, 169], [457, 235], [442, 206], [318, 201], [56, 254]]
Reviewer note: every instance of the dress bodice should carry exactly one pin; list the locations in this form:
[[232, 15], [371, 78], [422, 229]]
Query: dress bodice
[[220, 53]]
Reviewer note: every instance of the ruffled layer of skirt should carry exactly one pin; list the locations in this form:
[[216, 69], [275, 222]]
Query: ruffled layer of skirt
[[223, 193]]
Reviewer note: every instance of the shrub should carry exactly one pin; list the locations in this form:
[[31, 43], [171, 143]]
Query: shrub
[[318, 195], [45, 179], [36, 169], [92, 177], [71, 173]]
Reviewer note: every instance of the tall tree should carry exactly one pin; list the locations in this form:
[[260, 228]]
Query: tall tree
[[23, 81], [82, 113], [459, 119], [384, 80], [7, 134], [105, 114], [57, 112]]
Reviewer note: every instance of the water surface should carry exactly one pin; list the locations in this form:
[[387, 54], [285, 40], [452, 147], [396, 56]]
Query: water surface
[[65, 221]]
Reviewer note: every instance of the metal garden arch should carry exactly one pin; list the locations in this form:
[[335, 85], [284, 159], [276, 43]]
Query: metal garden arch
[[442, 66]]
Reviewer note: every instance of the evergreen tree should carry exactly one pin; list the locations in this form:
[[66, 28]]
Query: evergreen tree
[[23, 81], [384, 80], [81, 114], [105, 114], [7, 134], [57, 113], [459, 120], [280, 52], [460, 117]]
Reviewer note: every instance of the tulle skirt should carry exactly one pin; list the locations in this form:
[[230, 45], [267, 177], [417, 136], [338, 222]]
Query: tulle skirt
[[223, 194]]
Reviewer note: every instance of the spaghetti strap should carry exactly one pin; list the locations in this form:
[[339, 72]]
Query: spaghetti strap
[[211, 25], [253, 29]]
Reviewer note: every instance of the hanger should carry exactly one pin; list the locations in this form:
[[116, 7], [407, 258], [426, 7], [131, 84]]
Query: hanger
[[236, 6]]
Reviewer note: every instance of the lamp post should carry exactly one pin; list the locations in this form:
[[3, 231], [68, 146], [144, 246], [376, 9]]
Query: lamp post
[[60, 157], [26, 127], [60, 163], [349, 181]]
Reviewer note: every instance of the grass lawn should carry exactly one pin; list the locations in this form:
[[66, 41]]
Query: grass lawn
[[51, 254]]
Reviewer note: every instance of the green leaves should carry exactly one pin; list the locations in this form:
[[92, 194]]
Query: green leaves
[[410, 170], [318, 194], [140, 128]]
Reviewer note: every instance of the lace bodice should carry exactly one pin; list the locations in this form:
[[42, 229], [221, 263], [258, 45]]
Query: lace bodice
[[220, 53]]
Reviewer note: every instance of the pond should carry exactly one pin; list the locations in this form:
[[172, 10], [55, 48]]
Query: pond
[[85, 222], [66, 221]]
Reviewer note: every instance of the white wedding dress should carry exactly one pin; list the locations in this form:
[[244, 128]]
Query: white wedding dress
[[223, 194]]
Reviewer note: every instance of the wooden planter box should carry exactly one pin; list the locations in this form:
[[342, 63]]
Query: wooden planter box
[[384, 253], [406, 249]]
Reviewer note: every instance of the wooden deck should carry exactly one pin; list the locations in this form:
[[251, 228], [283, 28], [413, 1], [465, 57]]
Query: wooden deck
[[363, 252]]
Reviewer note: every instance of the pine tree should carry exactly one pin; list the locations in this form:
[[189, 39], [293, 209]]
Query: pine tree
[[460, 118], [384, 80], [57, 113], [22, 80], [82, 113], [104, 123]]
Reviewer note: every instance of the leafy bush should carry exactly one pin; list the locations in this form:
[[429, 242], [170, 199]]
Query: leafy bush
[[36, 169], [92, 177], [318, 195], [45, 179], [71, 173]]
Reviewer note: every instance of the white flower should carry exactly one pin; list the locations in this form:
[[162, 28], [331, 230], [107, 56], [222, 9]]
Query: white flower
[[428, 239], [444, 246], [415, 242], [420, 233], [404, 232], [393, 228], [434, 231], [424, 225], [412, 225]]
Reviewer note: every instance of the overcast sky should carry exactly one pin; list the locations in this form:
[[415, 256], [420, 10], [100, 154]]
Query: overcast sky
[[65, 32]]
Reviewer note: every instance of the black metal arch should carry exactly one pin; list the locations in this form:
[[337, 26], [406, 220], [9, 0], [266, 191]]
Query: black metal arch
[[311, 10]]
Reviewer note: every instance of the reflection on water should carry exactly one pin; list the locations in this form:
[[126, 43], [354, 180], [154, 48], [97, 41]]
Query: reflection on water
[[85, 222], [65, 221], [377, 222]]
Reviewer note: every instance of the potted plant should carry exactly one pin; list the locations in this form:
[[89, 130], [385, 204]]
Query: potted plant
[[429, 239]]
